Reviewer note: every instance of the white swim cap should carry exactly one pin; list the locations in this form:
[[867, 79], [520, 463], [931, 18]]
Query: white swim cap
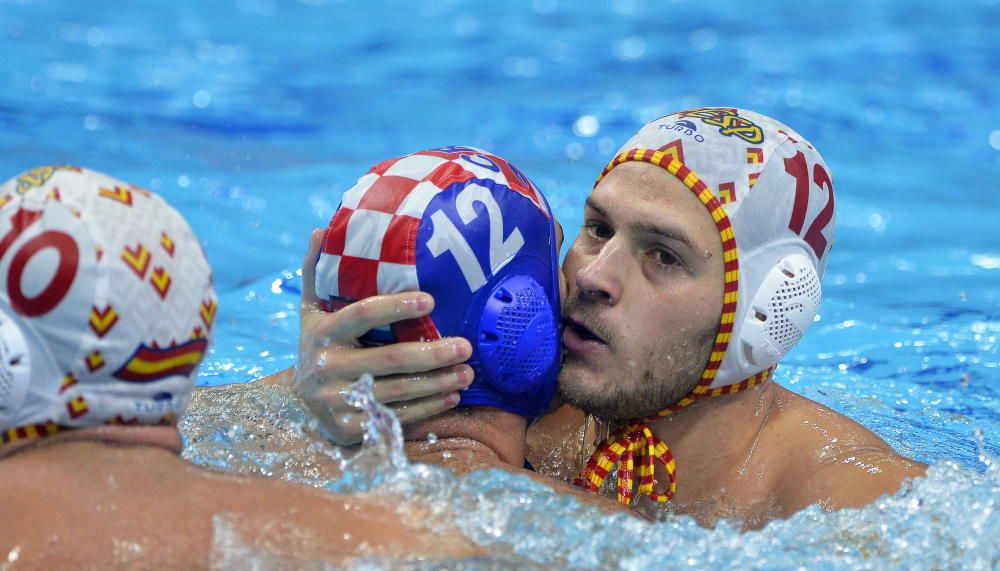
[[106, 304], [771, 197]]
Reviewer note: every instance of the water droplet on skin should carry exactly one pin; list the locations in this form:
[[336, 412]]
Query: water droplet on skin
[[432, 438]]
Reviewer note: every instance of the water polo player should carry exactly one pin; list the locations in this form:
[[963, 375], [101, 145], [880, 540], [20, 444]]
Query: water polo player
[[696, 271], [106, 310], [468, 229]]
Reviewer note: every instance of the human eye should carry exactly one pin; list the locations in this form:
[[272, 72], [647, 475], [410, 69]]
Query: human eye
[[598, 230], [663, 258]]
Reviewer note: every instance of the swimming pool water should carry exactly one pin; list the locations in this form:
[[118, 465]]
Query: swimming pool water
[[253, 116]]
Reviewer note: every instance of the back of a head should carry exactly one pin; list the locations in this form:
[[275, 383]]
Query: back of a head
[[470, 229], [771, 196], [106, 304]]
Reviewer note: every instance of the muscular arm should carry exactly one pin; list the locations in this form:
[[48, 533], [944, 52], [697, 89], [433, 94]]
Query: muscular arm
[[462, 455], [111, 506]]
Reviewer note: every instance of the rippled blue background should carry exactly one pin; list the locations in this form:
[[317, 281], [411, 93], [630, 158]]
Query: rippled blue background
[[252, 116]]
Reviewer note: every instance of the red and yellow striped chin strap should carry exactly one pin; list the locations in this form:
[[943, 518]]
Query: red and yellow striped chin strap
[[635, 443]]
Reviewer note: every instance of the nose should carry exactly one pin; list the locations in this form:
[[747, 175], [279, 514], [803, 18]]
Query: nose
[[599, 279]]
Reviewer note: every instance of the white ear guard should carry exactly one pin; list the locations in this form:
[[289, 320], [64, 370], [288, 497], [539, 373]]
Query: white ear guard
[[780, 312], [771, 196], [15, 366], [23, 357], [781, 304]]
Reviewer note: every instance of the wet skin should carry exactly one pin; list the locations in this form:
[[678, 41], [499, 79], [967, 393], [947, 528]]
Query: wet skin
[[331, 357], [643, 298], [642, 310], [121, 497]]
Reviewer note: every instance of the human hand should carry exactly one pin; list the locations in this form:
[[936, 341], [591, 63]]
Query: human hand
[[416, 380]]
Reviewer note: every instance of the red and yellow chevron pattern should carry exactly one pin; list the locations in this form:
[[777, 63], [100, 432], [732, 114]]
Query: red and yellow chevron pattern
[[118, 194], [137, 258], [674, 150], [150, 363], [68, 382], [168, 244], [208, 309], [727, 192], [160, 280], [752, 178], [5, 199], [755, 155], [77, 407], [101, 321], [636, 440], [94, 361]]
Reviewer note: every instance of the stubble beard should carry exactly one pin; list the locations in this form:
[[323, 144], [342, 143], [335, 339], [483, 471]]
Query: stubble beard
[[660, 375]]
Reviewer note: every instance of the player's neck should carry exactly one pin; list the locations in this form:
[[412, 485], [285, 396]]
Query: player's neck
[[714, 439], [166, 437], [501, 432]]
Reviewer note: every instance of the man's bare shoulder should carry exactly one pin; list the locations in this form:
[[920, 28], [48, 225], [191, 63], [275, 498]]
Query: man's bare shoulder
[[558, 443], [102, 504], [827, 458]]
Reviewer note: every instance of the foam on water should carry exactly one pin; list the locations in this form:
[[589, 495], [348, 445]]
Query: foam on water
[[945, 520]]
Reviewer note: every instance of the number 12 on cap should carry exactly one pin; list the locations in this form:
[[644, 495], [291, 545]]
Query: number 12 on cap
[[447, 238]]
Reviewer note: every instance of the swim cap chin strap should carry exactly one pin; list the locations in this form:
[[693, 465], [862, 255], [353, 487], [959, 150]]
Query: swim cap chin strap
[[635, 442]]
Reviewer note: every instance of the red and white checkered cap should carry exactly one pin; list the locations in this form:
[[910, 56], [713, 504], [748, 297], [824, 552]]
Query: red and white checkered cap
[[370, 246]]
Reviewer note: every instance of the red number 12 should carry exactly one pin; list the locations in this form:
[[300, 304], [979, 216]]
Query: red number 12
[[797, 167]]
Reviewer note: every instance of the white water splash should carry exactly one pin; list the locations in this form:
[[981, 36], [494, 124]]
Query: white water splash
[[382, 458], [383, 432], [947, 520]]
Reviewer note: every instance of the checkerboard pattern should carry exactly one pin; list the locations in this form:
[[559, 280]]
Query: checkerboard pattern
[[370, 246]]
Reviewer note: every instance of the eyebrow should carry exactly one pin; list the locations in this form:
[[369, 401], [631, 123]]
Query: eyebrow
[[671, 233]]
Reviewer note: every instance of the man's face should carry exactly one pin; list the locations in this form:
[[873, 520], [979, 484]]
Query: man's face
[[644, 280]]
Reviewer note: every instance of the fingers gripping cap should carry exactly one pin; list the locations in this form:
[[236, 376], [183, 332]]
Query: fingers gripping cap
[[776, 197], [470, 229], [106, 304]]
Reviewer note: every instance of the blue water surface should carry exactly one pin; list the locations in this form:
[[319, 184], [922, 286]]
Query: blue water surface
[[253, 116]]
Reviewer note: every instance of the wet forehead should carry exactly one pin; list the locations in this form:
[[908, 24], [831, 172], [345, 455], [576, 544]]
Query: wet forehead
[[642, 196]]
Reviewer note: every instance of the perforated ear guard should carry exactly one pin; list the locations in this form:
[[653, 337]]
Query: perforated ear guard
[[781, 311], [516, 341], [15, 367]]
